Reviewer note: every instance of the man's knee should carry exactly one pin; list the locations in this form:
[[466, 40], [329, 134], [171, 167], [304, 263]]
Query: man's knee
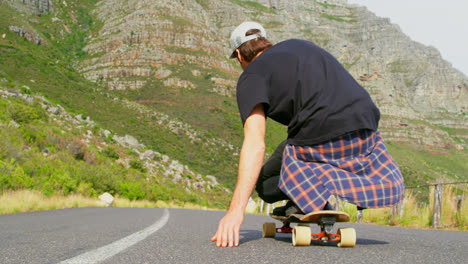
[[259, 188]]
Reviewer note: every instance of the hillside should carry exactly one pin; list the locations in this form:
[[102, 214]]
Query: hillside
[[45, 148], [158, 71]]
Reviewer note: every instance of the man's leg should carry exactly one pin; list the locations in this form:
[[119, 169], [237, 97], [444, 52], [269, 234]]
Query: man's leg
[[267, 184]]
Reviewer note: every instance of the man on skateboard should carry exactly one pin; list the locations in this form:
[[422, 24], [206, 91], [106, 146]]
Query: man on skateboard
[[333, 145]]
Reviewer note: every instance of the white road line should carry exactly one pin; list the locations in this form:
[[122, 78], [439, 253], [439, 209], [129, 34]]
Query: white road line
[[112, 249]]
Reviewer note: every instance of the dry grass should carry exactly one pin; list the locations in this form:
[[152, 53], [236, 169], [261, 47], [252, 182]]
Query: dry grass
[[419, 215], [29, 201], [416, 214]]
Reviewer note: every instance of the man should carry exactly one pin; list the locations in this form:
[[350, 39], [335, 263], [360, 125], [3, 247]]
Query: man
[[333, 145]]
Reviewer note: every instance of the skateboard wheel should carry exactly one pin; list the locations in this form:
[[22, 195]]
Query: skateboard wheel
[[348, 237], [269, 230], [301, 236]]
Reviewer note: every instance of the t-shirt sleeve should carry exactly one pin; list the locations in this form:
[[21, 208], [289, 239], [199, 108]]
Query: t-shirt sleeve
[[252, 89]]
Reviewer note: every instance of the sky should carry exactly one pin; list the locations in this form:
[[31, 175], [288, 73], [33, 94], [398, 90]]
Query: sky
[[442, 24]]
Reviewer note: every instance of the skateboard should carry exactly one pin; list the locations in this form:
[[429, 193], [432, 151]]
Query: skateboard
[[301, 233]]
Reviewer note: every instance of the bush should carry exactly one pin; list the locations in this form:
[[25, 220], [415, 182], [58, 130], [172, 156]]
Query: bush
[[13, 177], [23, 113], [77, 149], [9, 145], [34, 135], [111, 153], [132, 191], [159, 192], [86, 189], [101, 178], [137, 165]]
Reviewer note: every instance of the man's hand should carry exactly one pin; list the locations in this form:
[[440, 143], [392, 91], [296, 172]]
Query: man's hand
[[228, 230]]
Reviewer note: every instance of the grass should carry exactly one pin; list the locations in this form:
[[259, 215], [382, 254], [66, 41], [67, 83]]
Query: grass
[[422, 165], [23, 201], [339, 18], [326, 5], [254, 6], [419, 215], [28, 201], [415, 214]]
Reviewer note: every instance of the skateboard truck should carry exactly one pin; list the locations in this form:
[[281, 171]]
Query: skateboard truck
[[326, 226], [286, 228]]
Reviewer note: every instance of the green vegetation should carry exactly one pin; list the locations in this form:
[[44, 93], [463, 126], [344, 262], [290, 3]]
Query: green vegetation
[[253, 6], [178, 22], [326, 5], [349, 65], [320, 39], [204, 3], [455, 133], [53, 159], [48, 73], [272, 24], [339, 18], [404, 67], [399, 66], [420, 166]]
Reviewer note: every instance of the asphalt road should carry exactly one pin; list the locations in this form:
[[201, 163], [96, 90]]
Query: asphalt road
[[135, 235]]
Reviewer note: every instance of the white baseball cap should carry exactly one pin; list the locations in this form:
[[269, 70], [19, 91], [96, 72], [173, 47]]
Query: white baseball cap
[[238, 36]]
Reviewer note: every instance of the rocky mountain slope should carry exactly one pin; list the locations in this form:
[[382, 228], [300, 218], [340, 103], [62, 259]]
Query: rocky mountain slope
[[159, 71], [142, 40]]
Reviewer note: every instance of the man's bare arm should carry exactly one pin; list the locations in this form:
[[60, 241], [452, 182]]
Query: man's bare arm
[[250, 163]]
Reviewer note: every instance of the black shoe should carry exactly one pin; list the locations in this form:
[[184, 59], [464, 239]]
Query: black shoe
[[328, 207], [287, 210]]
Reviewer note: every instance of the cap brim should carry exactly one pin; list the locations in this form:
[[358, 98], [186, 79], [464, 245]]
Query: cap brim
[[233, 55]]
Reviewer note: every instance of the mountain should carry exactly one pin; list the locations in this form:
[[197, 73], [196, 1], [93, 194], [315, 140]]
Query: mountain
[[159, 71]]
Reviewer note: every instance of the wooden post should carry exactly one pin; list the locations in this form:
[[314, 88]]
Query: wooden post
[[261, 206], [395, 213], [459, 203], [359, 217], [339, 204], [437, 211], [268, 208], [335, 202]]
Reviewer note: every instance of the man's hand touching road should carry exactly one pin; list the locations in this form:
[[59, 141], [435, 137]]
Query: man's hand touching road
[[228, 230], [250, 163]]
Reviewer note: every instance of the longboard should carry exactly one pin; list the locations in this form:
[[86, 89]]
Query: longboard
[[301, 234]]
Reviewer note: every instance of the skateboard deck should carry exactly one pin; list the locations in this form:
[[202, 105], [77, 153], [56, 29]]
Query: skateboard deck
[[301, 234], [313, 217]]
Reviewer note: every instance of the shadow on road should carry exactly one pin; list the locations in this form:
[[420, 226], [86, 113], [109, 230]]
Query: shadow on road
[[252, 235], [359, 241], [362, 241], [249, 235]]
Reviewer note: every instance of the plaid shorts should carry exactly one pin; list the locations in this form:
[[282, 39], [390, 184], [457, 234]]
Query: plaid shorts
[[356, 167]]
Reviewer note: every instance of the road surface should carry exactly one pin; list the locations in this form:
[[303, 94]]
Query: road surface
[[156, 235]]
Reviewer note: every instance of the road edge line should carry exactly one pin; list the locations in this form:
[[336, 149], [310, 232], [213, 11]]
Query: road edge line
[[105, 252]]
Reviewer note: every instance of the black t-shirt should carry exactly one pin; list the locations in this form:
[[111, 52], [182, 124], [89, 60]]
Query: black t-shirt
[[305, 88]]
